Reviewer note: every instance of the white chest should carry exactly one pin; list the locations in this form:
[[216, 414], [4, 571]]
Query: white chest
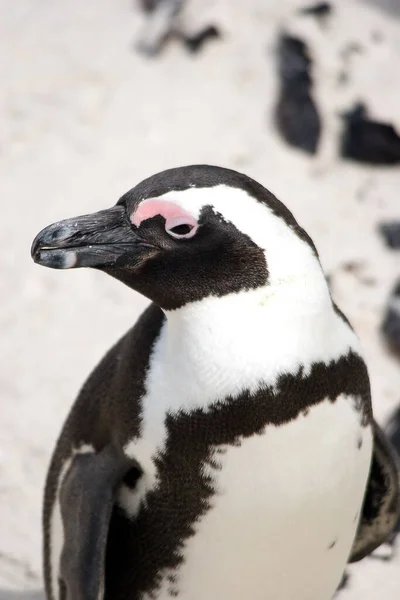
[[284, 515]]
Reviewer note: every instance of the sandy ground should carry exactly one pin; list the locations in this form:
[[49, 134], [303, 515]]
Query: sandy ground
[[84, 119]]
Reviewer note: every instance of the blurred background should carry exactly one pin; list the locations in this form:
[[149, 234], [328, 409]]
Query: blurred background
[[96, 96]]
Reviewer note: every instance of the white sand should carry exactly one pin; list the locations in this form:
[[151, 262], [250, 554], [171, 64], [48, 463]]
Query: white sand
[[84, 119]]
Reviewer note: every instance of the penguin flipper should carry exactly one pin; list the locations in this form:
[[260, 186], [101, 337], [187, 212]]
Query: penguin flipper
[[86, 499], [381, 509]]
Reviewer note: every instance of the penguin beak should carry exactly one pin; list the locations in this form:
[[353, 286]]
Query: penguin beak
[[102, 239]]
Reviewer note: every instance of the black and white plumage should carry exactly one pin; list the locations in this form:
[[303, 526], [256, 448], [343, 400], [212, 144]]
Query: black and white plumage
[[392, 432], [222, 448]]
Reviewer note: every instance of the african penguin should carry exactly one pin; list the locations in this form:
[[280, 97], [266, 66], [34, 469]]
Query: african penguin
[[222, 449]]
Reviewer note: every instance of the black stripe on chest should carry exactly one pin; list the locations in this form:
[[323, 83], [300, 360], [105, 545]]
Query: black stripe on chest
[[139, 550]]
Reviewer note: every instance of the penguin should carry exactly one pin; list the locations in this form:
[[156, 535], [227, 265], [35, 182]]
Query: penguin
[[225, 447]]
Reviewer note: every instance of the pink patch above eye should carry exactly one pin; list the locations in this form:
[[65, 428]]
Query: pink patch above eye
[[173, 214]]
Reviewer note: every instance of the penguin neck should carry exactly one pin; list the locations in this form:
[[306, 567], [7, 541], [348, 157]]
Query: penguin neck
[[236, 342], [288, 303]]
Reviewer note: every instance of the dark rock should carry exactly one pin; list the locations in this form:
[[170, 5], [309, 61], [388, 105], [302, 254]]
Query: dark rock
[[391, 234], [148, 5], [195, 43], [162, 23], [391, 322], [320, 10], [296, 114], [369, 141]]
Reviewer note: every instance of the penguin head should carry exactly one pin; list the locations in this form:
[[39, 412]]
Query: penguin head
[[186, 234]]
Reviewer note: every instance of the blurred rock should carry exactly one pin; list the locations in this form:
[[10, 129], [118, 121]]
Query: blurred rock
[[391, 234], [369, 141], [296, 114], [161, 23], [195, 43], [391, 322], [320, 10], [164, 22]]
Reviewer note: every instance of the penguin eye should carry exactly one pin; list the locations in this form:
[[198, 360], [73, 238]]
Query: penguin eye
[[181, 227]]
